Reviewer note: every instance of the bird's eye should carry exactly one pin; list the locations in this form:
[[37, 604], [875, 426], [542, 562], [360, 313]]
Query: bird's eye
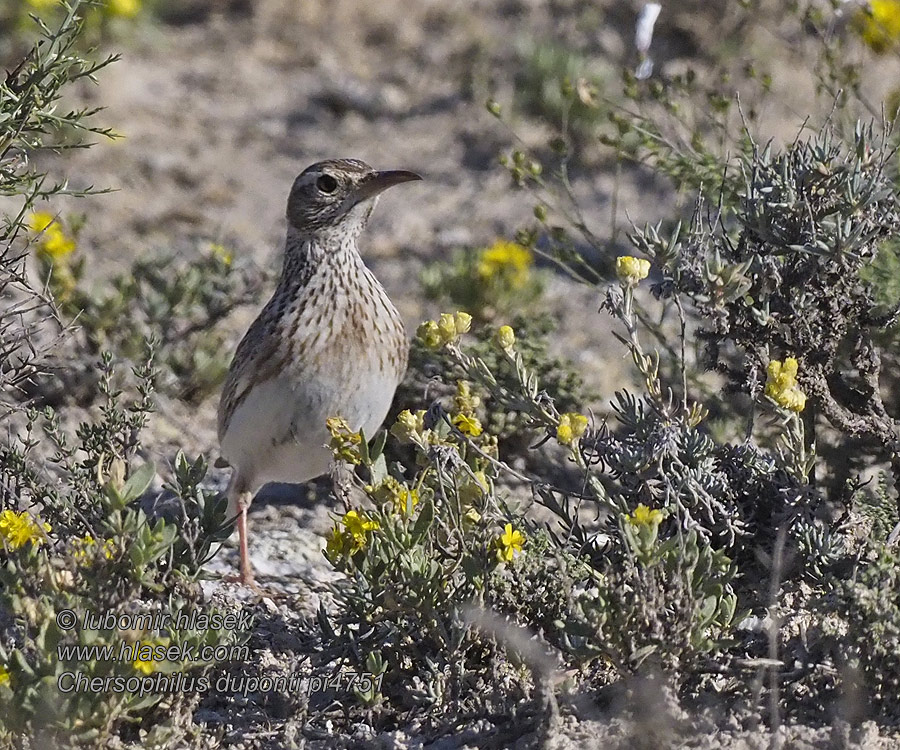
[[326, 183]]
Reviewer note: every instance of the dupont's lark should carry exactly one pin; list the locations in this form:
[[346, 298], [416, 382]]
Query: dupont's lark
[[329, 342]]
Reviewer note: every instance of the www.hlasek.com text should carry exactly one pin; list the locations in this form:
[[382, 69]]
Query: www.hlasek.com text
[[153, 652]]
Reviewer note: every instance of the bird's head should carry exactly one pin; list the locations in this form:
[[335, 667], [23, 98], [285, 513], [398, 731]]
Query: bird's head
[[338, 195]]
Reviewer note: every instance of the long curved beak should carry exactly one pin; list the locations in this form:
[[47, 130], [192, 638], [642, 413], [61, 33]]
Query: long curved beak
[[380, 181]]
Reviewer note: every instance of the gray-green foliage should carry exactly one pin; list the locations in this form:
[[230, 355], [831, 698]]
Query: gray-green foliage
[[789, 254], [414, 564], [606, 588], [660, 525], [177, 301], [74, 533], [657, 587], [670, 607], [31, 122], [102, 553], [534, 332], [787, 278], [870, 602]]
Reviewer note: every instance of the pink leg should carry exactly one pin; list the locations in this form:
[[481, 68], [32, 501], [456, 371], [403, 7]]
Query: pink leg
[[243, 533], [239, 499]]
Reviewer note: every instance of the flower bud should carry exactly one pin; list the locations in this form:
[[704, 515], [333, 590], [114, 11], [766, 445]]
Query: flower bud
[[506, 337], [630, 270]]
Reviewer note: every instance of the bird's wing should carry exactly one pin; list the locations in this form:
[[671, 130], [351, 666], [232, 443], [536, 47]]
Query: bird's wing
[[254, 362]]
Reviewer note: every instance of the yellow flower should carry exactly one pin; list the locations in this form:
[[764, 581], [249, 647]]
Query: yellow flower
[[124, 8], [793, 399], [345, 443], [43, 4], [782, 376], [452, 326], [509, 543], [447, 330], [643, 516], [571, 427], [4, 675], [508, 260], [144, 661], [56, 245], [84, 548], [405, 503], [506, 337], [429, 335], [390, 490], [52, 241], [447, 327], [147, 667], [222, 253], [879, 24], [631, 270], [335, 543], [781, 384], [358, 526], [351, 538], [463, 322], [466, 403], [467, 425], [17, 529], [409, 427], [39, 221]]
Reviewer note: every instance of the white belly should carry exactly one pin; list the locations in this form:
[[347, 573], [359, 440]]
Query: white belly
[[278, 433]]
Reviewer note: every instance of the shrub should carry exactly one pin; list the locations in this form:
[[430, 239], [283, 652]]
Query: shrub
[[413, 564], [32, 122], [870, 602], [659, 516], [83, 544], [73, 536]]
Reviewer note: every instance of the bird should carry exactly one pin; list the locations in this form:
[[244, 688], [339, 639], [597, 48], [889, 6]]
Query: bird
[[329, 343]]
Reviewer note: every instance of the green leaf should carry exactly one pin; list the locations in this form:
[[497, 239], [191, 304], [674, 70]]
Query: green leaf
[[708, 610], [363, 448], [378, 469], [138, 482], [726, 610], [137, 702], [182, 467], [21, 664], [423, 522], [376, 449]]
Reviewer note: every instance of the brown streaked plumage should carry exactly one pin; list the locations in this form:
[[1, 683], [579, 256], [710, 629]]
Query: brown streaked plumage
[[328, 343]]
